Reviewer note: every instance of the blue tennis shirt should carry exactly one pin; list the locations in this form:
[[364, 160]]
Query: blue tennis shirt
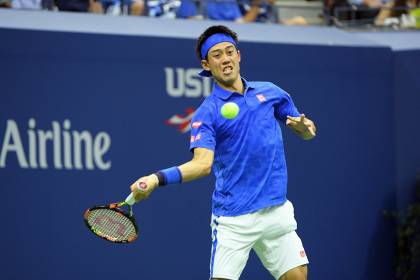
[[249, 163]]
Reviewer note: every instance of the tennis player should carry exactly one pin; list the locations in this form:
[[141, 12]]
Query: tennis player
[[249, 208]]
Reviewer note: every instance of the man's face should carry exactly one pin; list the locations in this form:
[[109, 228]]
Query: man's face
[[223, 62]]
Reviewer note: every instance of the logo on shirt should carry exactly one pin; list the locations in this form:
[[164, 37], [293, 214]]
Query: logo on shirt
[[182, 121], [261, 97], [302, 254], [196, 124], [195, 138]]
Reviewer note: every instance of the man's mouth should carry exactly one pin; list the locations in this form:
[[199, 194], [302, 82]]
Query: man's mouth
[[227, 70]]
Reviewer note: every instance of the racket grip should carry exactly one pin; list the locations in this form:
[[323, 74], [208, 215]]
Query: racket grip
[[130, 199]]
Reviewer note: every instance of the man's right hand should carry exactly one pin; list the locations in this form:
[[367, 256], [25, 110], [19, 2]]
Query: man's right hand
[[143, 187]]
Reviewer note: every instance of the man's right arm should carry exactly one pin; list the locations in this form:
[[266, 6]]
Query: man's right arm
[[199, 166]]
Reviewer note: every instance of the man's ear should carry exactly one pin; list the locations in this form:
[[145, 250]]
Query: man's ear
[[239, 54], [205, 65]]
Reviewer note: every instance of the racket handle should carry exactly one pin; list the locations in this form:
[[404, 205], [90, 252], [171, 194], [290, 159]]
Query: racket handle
[[130, 199]]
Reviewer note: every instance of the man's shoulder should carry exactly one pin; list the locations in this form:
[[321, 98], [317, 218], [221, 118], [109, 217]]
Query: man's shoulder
[[208, 102], [259, 83], [207, 106], [264, 85]]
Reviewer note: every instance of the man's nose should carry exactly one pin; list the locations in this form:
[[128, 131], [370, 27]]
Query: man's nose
[[225, 59]]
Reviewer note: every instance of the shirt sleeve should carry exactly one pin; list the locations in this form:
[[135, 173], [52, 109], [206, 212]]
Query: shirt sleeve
[[285, 107], [202, 128]]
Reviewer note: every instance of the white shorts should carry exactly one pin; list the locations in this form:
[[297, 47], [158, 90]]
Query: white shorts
[[270, 232]]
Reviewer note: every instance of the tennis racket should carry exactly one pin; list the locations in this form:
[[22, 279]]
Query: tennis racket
[[111, 223]]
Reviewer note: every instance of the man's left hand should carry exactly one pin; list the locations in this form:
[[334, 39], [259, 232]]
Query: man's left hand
[[303, 126]]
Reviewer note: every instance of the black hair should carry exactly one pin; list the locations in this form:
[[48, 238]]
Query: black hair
[[211, 31]]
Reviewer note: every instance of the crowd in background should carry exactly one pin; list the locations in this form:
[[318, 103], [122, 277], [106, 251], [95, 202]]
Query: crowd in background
[[374, 12], [230, 10]]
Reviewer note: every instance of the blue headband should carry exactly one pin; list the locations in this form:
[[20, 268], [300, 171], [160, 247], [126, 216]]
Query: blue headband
[[214, 40], [209, 43]]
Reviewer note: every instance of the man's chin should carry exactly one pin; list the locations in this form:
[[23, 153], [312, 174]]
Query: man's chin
[[228, 79]]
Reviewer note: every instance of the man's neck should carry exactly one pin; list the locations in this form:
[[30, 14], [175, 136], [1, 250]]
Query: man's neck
[[237, 86]]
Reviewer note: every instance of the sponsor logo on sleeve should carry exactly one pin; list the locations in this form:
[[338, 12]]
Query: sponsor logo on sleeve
[[261, 98], [195, 138], [196, 124]]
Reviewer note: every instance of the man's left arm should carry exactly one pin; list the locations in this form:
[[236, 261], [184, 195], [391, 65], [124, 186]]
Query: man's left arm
[[286, 112], [302, 126]]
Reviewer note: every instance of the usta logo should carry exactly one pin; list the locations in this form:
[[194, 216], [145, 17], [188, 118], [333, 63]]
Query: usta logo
[[181, 82]]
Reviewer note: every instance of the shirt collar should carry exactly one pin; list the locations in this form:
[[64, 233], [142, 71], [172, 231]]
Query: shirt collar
[[225, 94]]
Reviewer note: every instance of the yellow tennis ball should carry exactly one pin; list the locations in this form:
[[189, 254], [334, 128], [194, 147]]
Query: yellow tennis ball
[[230, 110]]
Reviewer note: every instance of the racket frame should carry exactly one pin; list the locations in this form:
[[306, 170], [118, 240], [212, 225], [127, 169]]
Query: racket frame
[[113, 207]]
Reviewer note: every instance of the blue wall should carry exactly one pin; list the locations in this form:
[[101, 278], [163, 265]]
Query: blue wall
[[117, 86], [407, 104]]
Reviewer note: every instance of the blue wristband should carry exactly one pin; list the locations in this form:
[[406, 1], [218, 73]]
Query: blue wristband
[[169, 176]]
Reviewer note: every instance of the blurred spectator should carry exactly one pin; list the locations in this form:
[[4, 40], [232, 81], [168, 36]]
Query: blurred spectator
[[212, 9], [110, 7], [394, 10], [118, 7], [375, 4], [378, 12], [190, 9], [27, 4], [73, 5], [224, 10], [355, 12], [386, 11], [48, 5], [266, 11], [369, 9], [163, 8], [382, 12], [297, 20], [336, 10], [235, 10], [5, 4], [259, 10], [137, 7]]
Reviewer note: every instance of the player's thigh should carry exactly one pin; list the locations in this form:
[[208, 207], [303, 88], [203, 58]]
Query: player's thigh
[[233, 238], [280, 248], [282, 254], [297, 273]]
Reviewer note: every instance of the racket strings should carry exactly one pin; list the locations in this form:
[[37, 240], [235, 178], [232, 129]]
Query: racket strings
[[111, 225]]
